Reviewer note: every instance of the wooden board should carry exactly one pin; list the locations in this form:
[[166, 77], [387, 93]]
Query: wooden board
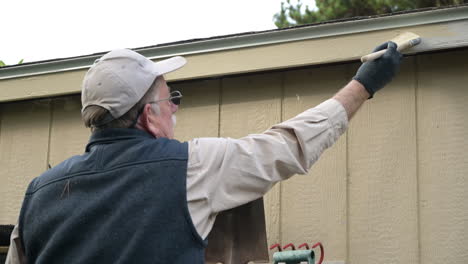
[[68, 135], [45, 85], [442, 98], [198, 115], [382, 175], [252, 104], [313, 206], [24, 139]]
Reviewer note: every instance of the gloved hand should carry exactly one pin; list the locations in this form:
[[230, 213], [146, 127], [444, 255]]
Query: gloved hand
[[374, 75]]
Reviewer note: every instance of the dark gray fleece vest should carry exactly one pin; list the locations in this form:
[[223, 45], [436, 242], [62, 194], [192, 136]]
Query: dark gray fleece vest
[[122, 201]]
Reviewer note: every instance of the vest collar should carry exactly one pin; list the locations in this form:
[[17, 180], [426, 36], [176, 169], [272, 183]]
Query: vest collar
[[110, 135]]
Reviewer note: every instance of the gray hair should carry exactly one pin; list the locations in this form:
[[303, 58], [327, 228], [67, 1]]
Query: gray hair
[[94, 114]]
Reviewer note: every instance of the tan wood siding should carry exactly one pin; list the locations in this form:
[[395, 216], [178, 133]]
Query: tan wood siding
[[24, 140], [251, 105], [313, 206], [442, 98], [200, 106], [68, 135], [382, 175], [392, 190]]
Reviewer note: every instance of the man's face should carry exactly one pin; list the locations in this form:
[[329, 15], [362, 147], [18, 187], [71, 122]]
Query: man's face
[[165, 119]]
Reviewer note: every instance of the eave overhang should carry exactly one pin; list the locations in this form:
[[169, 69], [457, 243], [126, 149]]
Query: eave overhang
[[329, 42]]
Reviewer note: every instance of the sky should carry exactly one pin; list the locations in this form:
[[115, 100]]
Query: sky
[[36, 30]]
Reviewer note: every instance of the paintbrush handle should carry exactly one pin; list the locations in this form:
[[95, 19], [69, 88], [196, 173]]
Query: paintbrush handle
[[400, 47], [373, 56]]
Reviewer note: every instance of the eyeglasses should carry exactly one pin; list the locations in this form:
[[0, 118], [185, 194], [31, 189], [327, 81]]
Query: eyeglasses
[[175, 97]]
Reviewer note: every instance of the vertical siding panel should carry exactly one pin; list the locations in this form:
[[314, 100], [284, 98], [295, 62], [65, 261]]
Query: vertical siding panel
[[382, 175], [23, 152], [313, 206], [68, 136], [252, 104], [443, 160], [198, 115]]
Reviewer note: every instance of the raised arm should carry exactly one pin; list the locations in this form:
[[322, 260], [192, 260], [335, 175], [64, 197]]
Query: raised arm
[[371, 77], [226, 173]]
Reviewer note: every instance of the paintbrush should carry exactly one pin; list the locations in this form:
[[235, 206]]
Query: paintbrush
[[404, 41]]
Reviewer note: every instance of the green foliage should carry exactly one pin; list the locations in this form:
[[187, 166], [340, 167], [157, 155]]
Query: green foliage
[[2, 64], [297, 14]]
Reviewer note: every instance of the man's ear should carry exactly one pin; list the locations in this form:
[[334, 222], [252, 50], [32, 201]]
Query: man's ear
[[145, 122]]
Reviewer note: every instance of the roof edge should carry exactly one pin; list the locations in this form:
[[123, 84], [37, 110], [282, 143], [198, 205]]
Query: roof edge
[[253, 39]]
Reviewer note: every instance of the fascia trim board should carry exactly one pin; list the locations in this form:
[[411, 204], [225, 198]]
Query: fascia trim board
[[251, 40]]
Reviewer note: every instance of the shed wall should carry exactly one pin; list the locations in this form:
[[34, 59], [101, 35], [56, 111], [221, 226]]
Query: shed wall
[[393, 189]]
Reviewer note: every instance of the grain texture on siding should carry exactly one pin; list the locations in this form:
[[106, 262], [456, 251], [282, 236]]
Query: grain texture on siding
[[252, 104], [382, 175], [442, 98], [68, 135], [198, 115], [393, 189], [313, 206], [24, 139]]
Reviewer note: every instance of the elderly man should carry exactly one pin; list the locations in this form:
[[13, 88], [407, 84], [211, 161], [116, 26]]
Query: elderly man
[[138, 196]]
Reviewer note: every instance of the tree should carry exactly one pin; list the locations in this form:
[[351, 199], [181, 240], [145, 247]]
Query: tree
[[296, 14], [2, 64]]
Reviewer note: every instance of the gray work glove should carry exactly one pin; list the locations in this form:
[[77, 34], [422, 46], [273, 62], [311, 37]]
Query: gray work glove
[[374, 75]]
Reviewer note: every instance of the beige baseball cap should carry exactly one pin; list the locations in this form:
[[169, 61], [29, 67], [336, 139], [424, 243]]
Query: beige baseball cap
[[120, 78]]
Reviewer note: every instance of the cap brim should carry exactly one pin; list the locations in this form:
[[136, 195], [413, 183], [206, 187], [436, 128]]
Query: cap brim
[[169, 65]]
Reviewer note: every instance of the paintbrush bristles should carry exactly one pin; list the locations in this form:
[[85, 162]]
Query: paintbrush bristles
[[404, 38], [404, 41], [415, 42], [408, 44]]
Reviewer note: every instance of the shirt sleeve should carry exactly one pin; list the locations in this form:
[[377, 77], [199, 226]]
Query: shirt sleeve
[[15, 253], [224, 173]]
